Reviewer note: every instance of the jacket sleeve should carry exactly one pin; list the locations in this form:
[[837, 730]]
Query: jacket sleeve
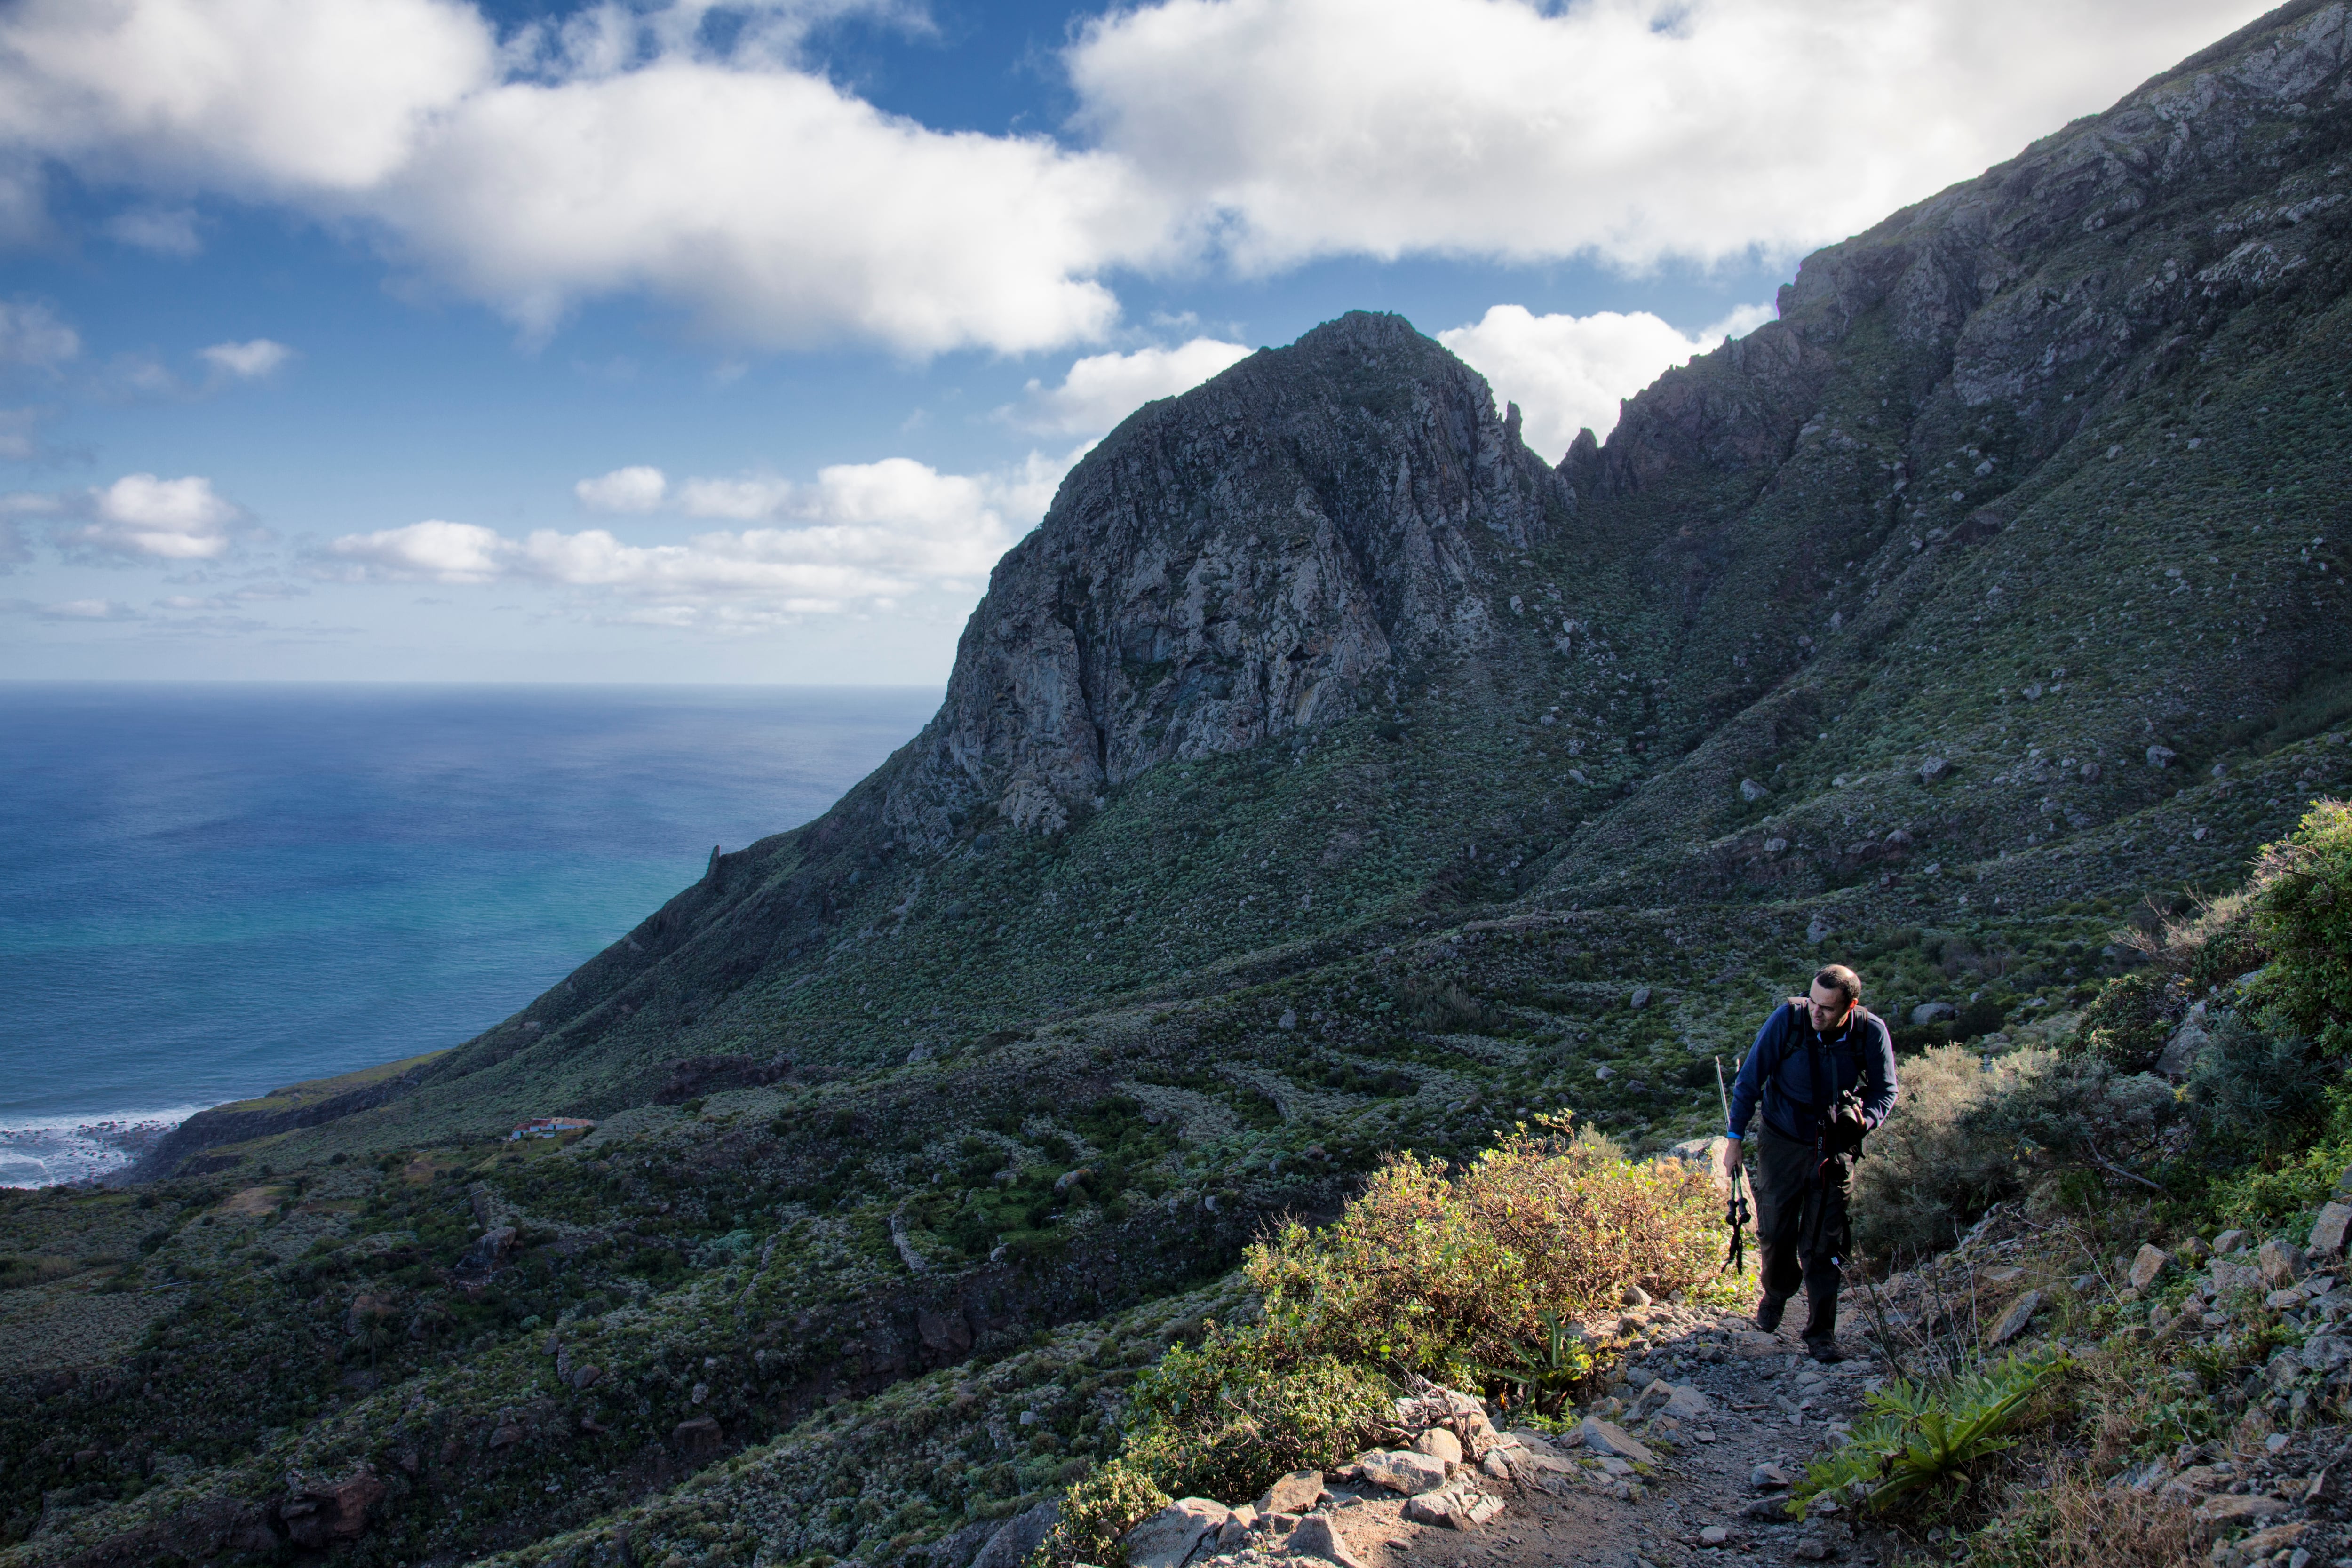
[[1762, 1060], [1879, 1086]]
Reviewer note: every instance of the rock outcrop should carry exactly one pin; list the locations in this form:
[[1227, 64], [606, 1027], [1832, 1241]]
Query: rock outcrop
[[1239, 563]]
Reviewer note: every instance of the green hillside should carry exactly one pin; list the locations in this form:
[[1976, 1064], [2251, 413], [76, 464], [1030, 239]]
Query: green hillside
[[1328, 775]]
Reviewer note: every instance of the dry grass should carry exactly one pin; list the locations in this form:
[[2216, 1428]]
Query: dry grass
[[2090, 1526]]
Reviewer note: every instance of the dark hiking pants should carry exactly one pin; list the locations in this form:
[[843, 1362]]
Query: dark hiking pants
[[1801, 1225]]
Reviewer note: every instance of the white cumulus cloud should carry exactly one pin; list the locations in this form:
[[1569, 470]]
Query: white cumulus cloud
[[860, 535], [139, 514], [247, 361], [619, 153], [626, 152], [1567, 371], [634, 488], [1100, 390], [1633, 129]]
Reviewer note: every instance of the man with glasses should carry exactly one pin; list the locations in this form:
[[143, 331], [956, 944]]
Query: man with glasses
[[1822, 1068]]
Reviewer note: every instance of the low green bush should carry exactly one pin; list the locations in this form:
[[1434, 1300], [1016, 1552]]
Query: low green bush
[[1436, 1273], [2303, 913], [1095, 1515], [1228, 1417]]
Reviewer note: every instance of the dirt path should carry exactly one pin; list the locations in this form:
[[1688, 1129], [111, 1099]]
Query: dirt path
[[1772, 1406]]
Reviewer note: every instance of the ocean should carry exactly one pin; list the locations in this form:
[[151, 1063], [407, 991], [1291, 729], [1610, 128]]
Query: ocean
[[209, 891]]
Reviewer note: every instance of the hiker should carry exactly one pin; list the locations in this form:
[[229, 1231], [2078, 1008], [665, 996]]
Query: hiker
[[1823, 1067]]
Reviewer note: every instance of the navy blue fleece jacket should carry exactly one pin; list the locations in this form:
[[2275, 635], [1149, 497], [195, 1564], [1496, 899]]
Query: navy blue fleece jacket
[[1777, 1071]]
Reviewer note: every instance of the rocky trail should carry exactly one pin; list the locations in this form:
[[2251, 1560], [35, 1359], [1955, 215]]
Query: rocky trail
[[1686, 1462]]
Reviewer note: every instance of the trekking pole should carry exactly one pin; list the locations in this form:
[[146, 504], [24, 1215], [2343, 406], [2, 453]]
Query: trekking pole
[[1734, 1208]]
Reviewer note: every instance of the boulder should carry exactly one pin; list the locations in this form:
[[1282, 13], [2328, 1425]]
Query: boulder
[[2217, 1516], [696, 1437], [2329, 1230], [317, 1517], [1687, 1403], [1459, 1507], [2147, 1264], [1927, 1013], [1316, 1537], [2188, 1040], [1408, 1473], [1749, 790], [2228, 1276], [2229, 1241], [490, 1250], [2325, 1352], [1440, 1445], [2281, 1263], [1932, 769], [2021, 1312], [1770, 1478], [1605, 1437], [2162, 756], [1641, 997], [1016, 1538], [1172, 1535], [1293, 1493]]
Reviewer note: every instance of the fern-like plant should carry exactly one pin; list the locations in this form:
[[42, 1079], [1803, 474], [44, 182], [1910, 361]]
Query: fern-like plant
[[1922, 1443], [1547, 1370]]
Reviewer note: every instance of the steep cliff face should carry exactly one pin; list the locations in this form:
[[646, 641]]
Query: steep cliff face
[[1241, 563], [1929, 512]]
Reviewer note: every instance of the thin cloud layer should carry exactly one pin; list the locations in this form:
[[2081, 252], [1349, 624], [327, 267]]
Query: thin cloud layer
[[1569, 372], [623, 154], [1103, 389], [33, 338], [246, 361], [863, 535]]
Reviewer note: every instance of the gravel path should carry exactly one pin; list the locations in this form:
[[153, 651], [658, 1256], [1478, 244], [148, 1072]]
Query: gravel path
[[1773, 1406]]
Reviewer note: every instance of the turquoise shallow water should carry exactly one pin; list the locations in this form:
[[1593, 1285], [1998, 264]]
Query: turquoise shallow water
[[207, 891]]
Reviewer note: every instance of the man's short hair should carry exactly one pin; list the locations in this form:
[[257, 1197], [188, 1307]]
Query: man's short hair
[[1837, 977]]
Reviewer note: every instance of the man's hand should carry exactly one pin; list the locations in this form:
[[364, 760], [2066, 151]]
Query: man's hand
[[1730, 1162]]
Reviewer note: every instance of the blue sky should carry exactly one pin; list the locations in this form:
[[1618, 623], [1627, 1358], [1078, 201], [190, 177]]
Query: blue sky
[[408, 340]]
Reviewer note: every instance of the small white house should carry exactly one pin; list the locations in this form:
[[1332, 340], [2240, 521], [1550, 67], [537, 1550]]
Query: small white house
[[548, 1127]]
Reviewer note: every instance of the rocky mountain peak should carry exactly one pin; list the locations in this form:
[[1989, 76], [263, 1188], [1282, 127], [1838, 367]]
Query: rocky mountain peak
[[1246, 561]]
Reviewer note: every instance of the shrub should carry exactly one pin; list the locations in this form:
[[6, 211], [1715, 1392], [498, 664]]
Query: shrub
[[1933, 1168], [2255, 1092], [2303, 913], [1428, 1274], [1964, 1136], [1095, 1515], [2128, 1023], [1227, 1418]]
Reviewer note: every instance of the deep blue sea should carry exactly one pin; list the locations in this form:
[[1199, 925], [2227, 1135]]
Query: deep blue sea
[[209, 891]]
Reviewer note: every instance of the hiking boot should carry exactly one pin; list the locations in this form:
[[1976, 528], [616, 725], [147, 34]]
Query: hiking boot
[[1825, 1351], [1769, 1311]]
